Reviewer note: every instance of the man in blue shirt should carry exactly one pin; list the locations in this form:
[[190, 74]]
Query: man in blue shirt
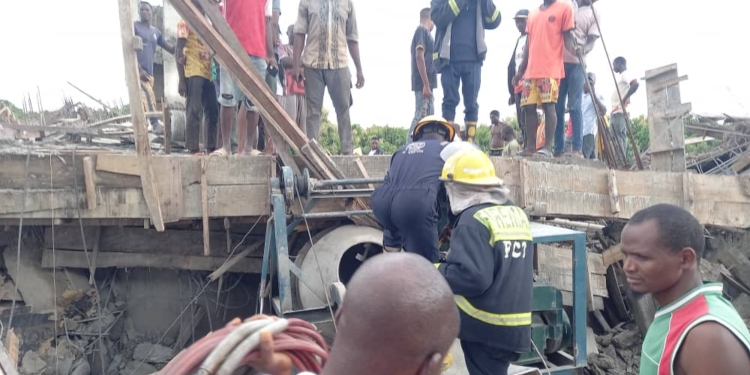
[[151, 37]]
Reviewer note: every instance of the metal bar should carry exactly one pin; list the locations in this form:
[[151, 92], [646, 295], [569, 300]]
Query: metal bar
[[347, 181], [282, 252], [333, 215], [297, 220], [344, 193], [580, 279]]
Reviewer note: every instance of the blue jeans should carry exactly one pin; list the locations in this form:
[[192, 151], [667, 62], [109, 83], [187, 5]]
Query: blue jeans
[[420, 102], [468, 74], [571, 88]]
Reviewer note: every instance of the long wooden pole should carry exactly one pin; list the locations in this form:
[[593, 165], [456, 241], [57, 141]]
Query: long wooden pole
[[142, 143]]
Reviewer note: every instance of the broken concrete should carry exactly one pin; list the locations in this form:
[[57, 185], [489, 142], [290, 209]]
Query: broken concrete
[[32, 364], [152, 353], [138, 368], [37, 285]]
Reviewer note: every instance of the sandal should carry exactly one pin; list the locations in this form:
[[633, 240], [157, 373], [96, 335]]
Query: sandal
[[220, 152], [544, 153]]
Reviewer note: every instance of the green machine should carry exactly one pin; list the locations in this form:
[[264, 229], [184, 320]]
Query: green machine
[[551, 330]]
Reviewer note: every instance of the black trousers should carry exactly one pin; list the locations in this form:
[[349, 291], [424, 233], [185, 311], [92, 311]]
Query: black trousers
[[201, 99], [410, 219], [486, 360]]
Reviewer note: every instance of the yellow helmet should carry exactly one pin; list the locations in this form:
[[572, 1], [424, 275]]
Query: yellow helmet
[[471, 167], [444, 127]]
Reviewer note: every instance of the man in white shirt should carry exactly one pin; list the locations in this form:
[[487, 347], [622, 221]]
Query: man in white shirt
[[626, 87], [590, 118]]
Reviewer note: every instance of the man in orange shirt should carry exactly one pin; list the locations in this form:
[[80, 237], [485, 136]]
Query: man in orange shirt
[[549, 28]]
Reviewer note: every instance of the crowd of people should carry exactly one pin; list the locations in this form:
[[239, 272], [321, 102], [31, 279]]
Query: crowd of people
[[546, 75]]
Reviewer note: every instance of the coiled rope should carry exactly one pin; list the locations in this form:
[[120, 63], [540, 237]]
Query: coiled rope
[[222, 352]]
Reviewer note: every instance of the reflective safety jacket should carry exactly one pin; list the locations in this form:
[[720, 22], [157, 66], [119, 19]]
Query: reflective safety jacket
[[490, 269]]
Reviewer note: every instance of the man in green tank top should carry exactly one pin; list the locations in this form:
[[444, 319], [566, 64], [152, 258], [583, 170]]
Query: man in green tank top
[[695, 331]]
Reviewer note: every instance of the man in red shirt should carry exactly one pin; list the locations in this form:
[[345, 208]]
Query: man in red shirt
[[549, 28], [249, 19]]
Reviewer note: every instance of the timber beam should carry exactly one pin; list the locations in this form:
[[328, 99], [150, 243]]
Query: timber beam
[[142, 143]]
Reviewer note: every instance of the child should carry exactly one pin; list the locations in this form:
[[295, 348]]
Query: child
[[511, 145]]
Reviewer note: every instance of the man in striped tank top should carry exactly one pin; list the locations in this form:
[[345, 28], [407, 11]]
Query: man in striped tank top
[[696, 331]]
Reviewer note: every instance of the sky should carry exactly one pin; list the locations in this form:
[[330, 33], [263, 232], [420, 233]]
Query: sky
[[80, 42]]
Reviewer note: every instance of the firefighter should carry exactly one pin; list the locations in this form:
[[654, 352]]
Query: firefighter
[[489, 266], [406, 204]]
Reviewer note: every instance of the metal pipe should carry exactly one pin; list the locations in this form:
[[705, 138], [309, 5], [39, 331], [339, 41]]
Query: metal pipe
[[344, 193], [332, 215], [347, 181]]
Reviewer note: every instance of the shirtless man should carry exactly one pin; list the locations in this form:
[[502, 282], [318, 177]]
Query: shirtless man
[[497, 144], [695, 331], [398, 317]]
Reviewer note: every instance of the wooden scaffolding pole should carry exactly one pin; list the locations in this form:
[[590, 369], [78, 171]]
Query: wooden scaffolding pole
[[142, 144]]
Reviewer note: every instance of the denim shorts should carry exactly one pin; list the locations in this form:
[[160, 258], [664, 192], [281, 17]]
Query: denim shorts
[[230, 93]]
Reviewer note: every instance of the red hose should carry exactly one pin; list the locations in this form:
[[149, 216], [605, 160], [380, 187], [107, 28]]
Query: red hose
[[300, 341]]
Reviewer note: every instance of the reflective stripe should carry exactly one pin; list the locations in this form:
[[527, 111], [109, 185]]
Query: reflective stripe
[[508, 320], [494, 16], [435, 56], [505, 223], [437, 265], [454, 7]]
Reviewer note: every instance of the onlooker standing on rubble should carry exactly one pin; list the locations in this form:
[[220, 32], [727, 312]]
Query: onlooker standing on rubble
[[490, 266], [512, 148], [423, 73], [375, 147], [151, 37], [590, 118], [626, 87], [586, 34], [249, 19], [695, 331], [549, 28], [461, 49], [294, 95], [406, 204], [196, 85], [515, 62], [497, 143], [322, 35]]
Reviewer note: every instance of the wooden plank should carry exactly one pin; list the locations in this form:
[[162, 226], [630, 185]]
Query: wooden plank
[[612, 255], [77, 259], [139, 240], [9, 356], [204, 208], [556, 268], [95, 254], [224, 201], [614, 199], [675, 112], [167, 128], [142, 143], [118, 163], [668, 83], [653, 73], [88, 173], [170, 187]]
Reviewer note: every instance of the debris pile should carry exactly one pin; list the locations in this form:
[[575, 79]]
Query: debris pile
[[618, 351]]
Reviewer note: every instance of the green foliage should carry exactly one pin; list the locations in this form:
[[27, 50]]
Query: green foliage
[[17, 112], [391, 138], [639, 126]]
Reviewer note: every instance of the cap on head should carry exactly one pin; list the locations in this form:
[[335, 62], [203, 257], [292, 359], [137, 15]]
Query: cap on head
[[434, 124], [522, 14], [471, 167]]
